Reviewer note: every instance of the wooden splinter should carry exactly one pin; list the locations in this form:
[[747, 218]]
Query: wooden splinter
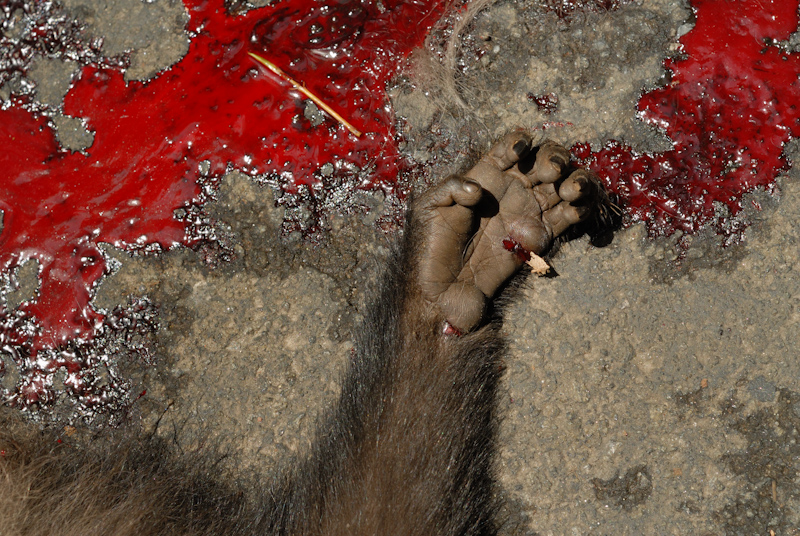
[[302, 89]]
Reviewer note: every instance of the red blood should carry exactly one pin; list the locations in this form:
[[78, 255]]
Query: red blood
[[216, 106], [546, 103], [450, 329], [523, 254], [731, 106]]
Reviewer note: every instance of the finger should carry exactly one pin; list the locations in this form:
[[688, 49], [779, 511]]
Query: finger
[[463, 305], [551, 159], [546, 195], [497, 168], [560, 217], [510, 149], [454, 190], [442, 253], [581, 184], [449, 222], [527, 235]]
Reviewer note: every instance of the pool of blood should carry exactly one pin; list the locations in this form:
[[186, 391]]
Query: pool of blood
[[213, 111], [732, 104]]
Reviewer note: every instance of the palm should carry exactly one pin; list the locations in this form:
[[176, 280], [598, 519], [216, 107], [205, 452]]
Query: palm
[[481, 227]]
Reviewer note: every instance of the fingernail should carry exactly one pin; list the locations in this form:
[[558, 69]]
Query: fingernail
[[470, 187], [521, 148], [557, 160]]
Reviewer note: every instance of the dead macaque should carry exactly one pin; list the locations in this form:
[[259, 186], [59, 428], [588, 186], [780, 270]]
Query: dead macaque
[[408, 449]]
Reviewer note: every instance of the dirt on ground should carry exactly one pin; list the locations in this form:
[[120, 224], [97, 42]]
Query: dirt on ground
[[650, 389]]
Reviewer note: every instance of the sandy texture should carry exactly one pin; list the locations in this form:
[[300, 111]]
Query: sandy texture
[[680, 378]]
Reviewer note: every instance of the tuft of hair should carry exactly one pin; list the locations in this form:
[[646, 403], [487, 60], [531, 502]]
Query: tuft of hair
[[434, 66], [606, 219]]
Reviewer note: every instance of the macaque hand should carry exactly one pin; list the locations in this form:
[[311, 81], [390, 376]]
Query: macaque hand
[[479, 228]]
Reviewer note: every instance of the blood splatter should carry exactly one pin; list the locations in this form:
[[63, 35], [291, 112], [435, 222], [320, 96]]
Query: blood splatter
[[731, 105], [519, 251], [137, 186], [546, 103], [30, 29]]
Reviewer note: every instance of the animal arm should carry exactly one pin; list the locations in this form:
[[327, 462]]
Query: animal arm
[[409, 447]]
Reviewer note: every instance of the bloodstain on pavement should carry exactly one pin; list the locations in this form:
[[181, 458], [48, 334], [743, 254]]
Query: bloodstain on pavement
[[730, 107], [213, 111], [732, 104]]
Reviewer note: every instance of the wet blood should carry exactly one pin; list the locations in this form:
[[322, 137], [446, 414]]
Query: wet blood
[[213, 111], [546, 103], [519, 251], [732, 104]]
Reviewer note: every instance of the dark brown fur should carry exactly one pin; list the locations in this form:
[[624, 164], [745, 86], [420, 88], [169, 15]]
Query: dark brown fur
[[410, 441]]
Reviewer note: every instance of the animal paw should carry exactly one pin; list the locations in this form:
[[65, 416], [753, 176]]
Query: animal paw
[[478, 228]]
